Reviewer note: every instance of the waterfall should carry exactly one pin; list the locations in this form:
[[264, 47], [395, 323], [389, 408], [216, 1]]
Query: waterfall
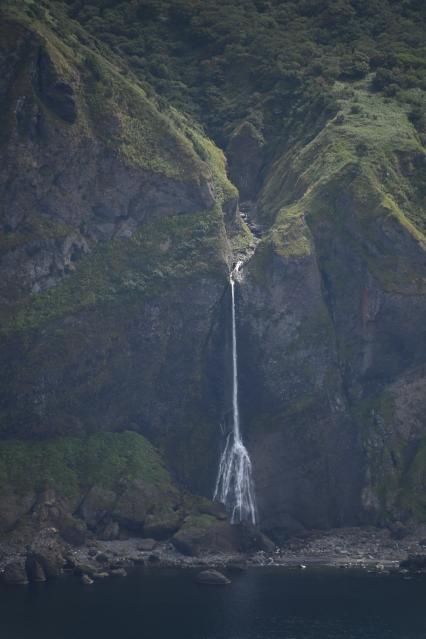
[[234, 484]]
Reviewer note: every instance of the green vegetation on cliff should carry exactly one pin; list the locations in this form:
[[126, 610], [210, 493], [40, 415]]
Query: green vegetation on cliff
[[263, 62], [152, 262], [73, 464]]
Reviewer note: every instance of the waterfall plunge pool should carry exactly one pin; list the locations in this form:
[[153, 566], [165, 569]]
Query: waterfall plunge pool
[[263, 603]]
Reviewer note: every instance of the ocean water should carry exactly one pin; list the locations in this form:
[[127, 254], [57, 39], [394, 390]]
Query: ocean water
[[259, 604]]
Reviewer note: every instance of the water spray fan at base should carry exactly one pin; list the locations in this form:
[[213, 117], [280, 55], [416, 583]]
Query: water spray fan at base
[[234, 484]]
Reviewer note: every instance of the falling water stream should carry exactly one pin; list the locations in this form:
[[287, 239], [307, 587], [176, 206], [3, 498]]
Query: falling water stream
[[234, 484]]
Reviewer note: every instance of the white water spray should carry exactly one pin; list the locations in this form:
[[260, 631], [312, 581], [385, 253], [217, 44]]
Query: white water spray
[[234, 484]]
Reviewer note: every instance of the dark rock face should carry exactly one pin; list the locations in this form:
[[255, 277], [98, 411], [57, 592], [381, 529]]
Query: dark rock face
[[75, 535], [197, 536], [13, 507], [296, 416], [15, 573], [147, 544], [136, 361], [162, 525], [54, 512], [246, 154], [34, 568], [49, 559], [332, 361], [414, 563], [251, 539], [57, 94], [109, 531], [96, 505]]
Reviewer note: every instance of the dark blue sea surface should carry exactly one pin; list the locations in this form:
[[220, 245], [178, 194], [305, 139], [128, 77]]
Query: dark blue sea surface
[[259, 604]]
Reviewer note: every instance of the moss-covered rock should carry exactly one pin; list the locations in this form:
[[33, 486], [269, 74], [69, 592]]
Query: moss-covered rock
[[98, 479], [69, 464], [205, 533]]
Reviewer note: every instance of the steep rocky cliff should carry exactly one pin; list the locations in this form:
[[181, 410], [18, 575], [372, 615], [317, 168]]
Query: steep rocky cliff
[[114, 256], [118, 229], [332, 318]]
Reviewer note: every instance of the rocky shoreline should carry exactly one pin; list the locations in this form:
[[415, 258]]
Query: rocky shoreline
[[372, 549]]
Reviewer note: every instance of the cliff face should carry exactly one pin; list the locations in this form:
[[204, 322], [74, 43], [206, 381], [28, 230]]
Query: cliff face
[[332, 320], [118, 229], [114, 256]]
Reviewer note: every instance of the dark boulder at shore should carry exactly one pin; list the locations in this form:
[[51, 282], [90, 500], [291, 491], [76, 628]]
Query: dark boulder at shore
[[34, 568], [205, 533], [251, 539], [50, 559], [146, 545], [15, 573], [75, 533], [414, 563], [212, 578]]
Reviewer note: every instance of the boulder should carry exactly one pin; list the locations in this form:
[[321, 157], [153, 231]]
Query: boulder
[[34, 569], [52, 511], [131, 507], [187, 542], [15, 573], [154, 558], [81, 567], [118, 572], [146, 545], [109, 531], [75, 533], [265, 543], [102, 558], [212, 578], [86, 580], [97, 505], [203, 506], [13, 507], [205, 533], [398, 530], [252, 539], [162, 525], [414, 563], [50, 560]]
